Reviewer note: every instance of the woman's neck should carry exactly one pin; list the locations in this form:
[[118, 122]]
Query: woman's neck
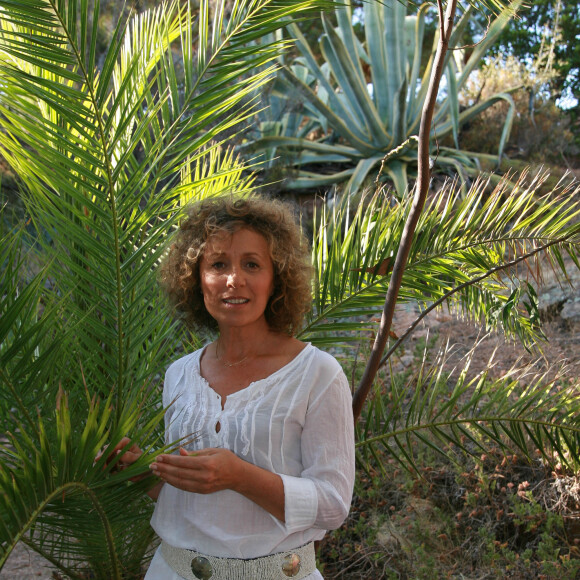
[[235, 344]]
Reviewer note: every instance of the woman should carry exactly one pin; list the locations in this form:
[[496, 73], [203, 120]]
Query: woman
[[269, 466]]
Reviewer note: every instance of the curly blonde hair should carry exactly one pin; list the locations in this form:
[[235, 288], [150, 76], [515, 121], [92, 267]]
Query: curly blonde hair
[[275, 221]]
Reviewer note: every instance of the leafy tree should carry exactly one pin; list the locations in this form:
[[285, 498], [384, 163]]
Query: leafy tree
[[547, 30]]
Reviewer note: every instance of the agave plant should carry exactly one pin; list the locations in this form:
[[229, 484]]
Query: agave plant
[[107, 154], [362, 106], [481, 255]]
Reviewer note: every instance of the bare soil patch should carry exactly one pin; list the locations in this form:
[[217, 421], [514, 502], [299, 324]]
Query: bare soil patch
[[25, 564]]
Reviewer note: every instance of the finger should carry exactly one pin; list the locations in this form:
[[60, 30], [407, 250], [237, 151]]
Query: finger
[[108, 456], [128, 458], [101, 452], [180, 477], [164, 462], [124, 442], [182, 468], [198, 453], [113, 452]]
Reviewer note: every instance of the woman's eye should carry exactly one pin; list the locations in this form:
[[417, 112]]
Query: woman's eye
[[217, 265], [252, 265]]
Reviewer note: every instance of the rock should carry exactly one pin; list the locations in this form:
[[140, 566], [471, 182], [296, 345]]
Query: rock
[[406, 360], [571, 310], [552, 297]]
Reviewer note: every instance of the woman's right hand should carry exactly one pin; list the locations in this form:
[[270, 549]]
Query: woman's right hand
[[130, 455]]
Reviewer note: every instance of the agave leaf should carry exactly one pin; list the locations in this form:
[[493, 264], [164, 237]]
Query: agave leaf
[[335, 111], [395, 49], [361, 172], [374, 31], [377, 118], [345, 67], [416, 44], [341, 153], [334, 103], [453, 102], [397, 171]]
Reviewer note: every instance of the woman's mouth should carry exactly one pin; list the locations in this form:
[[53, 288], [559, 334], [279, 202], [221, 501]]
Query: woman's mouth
[[235, 300]]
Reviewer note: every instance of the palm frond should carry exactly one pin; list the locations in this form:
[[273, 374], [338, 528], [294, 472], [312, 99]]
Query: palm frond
[[522, 413], [112, 143], [479, 253], [56, 498]]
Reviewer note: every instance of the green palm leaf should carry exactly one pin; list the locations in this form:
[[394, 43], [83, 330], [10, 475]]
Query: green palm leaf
[[466, 252], [108, 156], [56, 499], [521, 413], [480, 253]]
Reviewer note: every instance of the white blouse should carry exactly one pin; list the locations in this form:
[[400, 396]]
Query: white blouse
[[297, 423]]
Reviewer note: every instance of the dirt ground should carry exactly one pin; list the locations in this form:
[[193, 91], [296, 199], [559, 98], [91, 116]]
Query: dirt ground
[[560, 353], [559, 305], [24, 564]]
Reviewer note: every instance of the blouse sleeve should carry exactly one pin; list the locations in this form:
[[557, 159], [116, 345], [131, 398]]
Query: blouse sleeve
[[321, 497]]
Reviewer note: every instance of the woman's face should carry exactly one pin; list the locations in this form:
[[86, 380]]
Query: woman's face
[[237, 278]]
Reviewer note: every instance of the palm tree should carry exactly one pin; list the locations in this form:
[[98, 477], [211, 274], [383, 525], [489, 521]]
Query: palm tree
[[481, 254], [108, 154]]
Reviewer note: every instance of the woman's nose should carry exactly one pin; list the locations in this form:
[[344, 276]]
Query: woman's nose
[[235, 278]]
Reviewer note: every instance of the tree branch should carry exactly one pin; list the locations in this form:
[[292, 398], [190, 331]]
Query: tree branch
[[420, 195]]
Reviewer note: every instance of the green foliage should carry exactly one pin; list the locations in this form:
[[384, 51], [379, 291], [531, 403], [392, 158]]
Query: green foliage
[[49, 482], [491, 514], [547, 29], [107, 152], [475, 253], [472, 415], [541, 133], [465, 252], [108, 155], [360, 131]]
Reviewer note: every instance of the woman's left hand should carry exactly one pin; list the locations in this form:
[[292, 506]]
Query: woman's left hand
[[204, 471], [211, 470]]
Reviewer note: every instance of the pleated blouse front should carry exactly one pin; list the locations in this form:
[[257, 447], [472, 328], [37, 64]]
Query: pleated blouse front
[[297, 423]]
